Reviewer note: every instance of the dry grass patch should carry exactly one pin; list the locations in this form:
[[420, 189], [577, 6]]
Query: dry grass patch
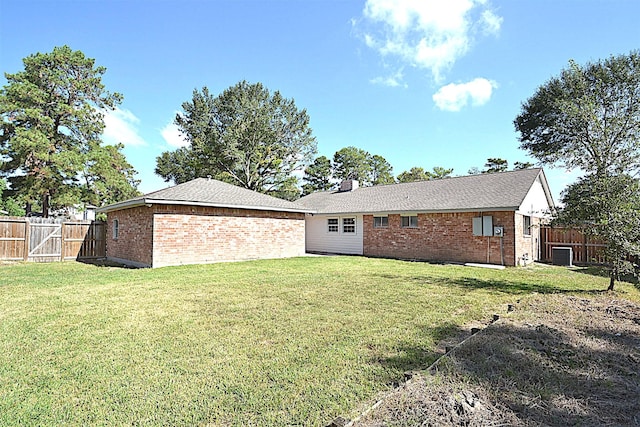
[[556, 360]]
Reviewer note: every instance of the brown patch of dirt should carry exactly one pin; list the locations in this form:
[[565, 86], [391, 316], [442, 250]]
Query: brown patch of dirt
[[554, 360]]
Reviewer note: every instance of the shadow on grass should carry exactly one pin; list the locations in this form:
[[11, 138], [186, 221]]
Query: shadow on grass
[[104, 262], [503, 286], [407, 358], [518, 287], [601, 271]]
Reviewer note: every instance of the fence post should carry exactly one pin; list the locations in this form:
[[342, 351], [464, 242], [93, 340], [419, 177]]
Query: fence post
[[62, 231], [27, 238]]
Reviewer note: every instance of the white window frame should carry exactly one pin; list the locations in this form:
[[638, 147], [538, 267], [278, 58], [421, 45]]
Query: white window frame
[[526, 229], [409, 225], [384, 221], [348, 226], [116, 229], [333, 227]]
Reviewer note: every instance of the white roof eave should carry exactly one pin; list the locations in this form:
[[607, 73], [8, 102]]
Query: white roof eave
[[386, 212]]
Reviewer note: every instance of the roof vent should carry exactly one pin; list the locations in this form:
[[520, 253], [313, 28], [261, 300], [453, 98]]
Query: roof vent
[[348, 185]]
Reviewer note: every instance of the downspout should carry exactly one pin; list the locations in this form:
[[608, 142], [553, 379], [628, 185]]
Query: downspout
[[488, 250]]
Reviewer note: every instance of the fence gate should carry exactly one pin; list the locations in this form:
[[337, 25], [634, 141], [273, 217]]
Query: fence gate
[[45, 239], [51, 239]]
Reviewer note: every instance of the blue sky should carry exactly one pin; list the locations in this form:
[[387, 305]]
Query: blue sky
[[421, 83]]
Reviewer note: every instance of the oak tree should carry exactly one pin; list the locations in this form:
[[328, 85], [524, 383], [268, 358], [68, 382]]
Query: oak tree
[[247, 136], [412, 175], [607, 207], [587, 117], [180, 166], [356, 163]]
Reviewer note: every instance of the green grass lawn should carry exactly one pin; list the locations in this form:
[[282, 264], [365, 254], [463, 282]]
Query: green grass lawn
[[283, 342]]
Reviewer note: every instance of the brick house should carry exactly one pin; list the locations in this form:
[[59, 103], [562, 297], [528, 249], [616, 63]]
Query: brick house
[[489, 218], [203, 221], [486, 218]]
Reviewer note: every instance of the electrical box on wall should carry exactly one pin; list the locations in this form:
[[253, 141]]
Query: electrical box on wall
[[483, 226], [487, 226], [498, 231], [477, 226]]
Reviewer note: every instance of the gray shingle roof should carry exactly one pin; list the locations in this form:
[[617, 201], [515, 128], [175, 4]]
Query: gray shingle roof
[[496, 191], [210, 192]]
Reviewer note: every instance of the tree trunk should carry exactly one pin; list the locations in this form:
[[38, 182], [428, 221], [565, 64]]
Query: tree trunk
[[612, 279], [45, 206]]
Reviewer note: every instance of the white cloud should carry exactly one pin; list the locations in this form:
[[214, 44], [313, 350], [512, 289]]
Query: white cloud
[[121, 127], [428, 34], [394, 80], [453, 97], [368, 40], [491, 22], [172, 135]]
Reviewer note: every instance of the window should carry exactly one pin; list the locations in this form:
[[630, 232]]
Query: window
[[526, 220], [380, 221], [332, 225], [116, 227], [409, 221], [348, 225]]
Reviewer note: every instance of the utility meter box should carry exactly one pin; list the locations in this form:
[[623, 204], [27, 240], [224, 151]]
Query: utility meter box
[[498, 231]]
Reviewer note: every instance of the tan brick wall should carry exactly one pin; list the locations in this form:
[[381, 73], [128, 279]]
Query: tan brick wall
[[527, 244], [193, 235], [134, 235], [163, 235], [441, 237]]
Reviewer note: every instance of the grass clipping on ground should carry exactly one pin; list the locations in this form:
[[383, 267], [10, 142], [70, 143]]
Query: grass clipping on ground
[[553, 360]]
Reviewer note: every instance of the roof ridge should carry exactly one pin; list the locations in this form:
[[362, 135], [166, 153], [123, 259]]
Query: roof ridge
[[460, 177], [166, 188], [500, 190], [428, 180], [213, 192]]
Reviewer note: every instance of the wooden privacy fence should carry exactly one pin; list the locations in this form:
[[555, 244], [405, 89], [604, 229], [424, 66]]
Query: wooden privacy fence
[[586, 249], [51, 239]]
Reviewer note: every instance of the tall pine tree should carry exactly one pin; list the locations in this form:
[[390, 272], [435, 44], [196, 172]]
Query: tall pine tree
[[52, 120]]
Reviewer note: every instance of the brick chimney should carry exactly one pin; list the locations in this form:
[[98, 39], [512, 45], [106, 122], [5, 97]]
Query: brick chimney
[[348, 185]]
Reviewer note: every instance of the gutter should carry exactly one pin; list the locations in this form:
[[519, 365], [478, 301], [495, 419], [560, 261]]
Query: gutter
[[484, 209]]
